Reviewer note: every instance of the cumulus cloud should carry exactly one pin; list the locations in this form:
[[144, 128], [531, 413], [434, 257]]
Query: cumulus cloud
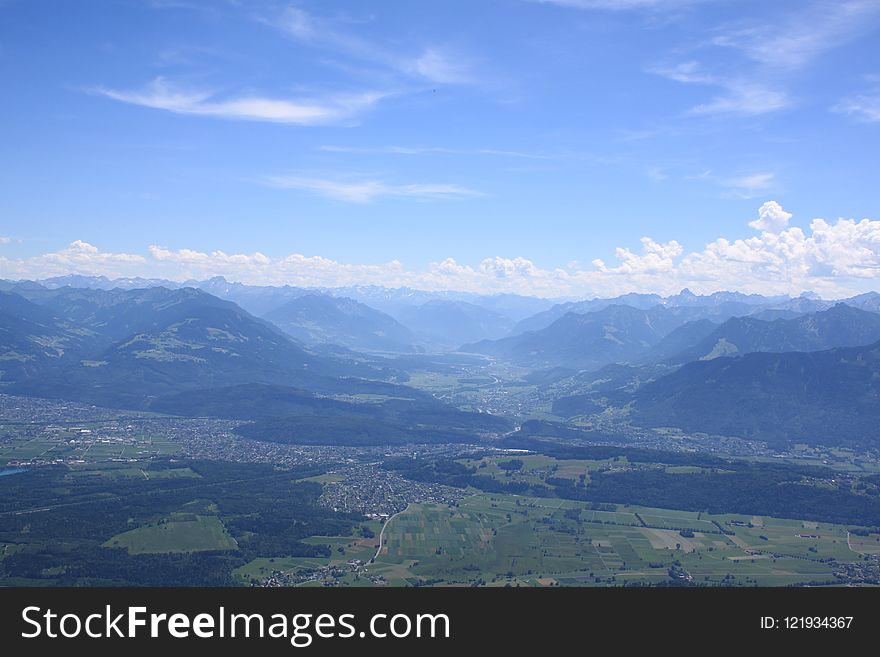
[[834, 259], [78, 257], [771, 218]]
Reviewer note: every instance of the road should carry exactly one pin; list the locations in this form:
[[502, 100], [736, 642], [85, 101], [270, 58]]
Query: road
[[382, 535]]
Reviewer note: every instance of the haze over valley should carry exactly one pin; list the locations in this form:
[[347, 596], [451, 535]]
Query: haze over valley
[[524, 293]]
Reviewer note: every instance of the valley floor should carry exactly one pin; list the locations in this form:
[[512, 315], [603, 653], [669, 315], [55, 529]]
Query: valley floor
[[507, 540]]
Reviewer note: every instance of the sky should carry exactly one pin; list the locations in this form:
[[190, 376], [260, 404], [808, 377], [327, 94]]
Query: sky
[[561, 148]]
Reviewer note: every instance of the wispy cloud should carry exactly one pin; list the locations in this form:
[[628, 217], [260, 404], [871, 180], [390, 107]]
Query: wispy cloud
[[365, 191], [802, 36], [439, 150], [440, 66], [744, 97], [163, 95], [863, 106], [739, 95], [752, 183], [743, 186], [622, 5], [687, 72], [435, 64], [776, 49]]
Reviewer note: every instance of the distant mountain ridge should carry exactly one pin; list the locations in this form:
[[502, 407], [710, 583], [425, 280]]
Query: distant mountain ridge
[[614, 334], [261, 299], [33, 338], [123, 347], [839, 326], [451, 323], [823, 397], [316, 318]]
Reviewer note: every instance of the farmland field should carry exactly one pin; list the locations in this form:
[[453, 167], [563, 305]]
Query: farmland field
[[181, 532], [500, 540]]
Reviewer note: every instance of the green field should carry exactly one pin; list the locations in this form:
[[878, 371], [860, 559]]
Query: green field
[[342, 549], [865, 544], [500, 540], [121, 470], [537, 467], [86, 449], [180, 532], [328, 478]]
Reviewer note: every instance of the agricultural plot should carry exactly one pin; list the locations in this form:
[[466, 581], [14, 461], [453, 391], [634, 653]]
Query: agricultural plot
[[180, 532], [677, 522], [869, 544], [789, 538], [536, 468], [343, 549], [19, 445], [124, 470], [326, 478], [510, 540]]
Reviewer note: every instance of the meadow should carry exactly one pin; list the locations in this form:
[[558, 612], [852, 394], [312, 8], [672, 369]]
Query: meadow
[[509, 540]]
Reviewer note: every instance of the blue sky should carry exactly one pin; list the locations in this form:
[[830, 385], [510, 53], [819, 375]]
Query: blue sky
[[569, 147]]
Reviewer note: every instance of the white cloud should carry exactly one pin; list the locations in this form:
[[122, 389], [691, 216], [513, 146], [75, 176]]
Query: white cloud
[[439, 66], [688, 72], [162, 95], [5, 240], [777, 48], [771, 218], [739, 95], [745, 186], [77, 257], [369, 190], [863, 107], [751, 185], [621, 5], [803, 35], [744, 97], [834, 259], [436, 64], [439, 150]]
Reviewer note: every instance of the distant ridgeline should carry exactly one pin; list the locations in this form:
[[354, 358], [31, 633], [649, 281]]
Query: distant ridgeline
[[774, 369], [186, 352]]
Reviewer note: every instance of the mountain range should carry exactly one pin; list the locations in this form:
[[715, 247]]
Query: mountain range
[[122, 347], [451, 323], [318, 365], [839, 326], [829, 397], [319, 318], [186, 352], [616, 333]]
